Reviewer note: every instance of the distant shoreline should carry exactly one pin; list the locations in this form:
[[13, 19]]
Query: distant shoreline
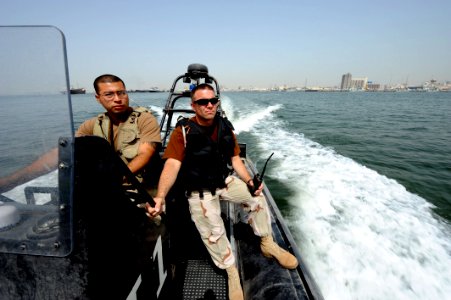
[[334, 91]]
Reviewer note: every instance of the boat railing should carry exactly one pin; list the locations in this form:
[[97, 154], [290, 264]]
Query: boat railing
[[195, 75]]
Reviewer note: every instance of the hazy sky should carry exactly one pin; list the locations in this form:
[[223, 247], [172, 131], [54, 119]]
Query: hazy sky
[[247, 43]]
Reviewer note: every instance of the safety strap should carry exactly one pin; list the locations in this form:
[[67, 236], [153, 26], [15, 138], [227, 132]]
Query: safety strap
[[183, 129]]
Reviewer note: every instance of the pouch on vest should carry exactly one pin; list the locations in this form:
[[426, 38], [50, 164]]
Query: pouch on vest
[[129, 138]]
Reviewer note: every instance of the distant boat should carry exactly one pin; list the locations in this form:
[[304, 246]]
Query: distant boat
[[151, 90], [78, 91]]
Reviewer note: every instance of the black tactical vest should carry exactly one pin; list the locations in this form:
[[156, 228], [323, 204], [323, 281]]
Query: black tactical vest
[[207, 163]]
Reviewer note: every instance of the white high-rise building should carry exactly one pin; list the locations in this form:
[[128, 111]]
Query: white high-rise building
[[359, 83], [348, 83]]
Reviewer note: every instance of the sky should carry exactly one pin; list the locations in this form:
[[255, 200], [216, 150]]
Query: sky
[[247, 43]]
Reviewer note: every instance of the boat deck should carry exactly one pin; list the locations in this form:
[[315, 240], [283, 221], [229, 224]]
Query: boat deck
[[203, 281]]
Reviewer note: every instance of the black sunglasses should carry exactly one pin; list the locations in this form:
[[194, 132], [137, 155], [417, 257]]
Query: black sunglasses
[[204, 102]]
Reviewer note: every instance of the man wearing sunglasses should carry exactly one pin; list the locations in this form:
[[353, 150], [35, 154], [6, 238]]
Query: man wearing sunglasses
[[201, 149]]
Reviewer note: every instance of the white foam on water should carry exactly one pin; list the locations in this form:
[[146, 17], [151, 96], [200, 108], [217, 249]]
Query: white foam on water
[[251, 119], [156, 111], [363, 235]]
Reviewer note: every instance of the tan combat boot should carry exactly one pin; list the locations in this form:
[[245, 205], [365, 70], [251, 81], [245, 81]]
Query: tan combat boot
[[235, 291], [271, 249]]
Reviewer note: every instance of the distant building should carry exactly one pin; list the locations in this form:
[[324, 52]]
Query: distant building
[[346, 81], [373, 86], [350, 84], [359, 84]]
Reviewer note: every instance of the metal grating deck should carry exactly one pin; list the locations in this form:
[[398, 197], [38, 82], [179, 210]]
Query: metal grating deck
[[202, 282]]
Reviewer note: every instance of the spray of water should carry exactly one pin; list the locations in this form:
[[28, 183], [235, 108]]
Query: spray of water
[[363, 235]]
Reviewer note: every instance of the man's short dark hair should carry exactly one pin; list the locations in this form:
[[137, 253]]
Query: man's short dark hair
[[106, 78], [202, 86]]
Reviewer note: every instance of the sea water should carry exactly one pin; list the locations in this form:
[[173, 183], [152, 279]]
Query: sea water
[[364, 182], [362, 179]]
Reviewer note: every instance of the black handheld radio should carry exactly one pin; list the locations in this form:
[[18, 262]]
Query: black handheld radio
[[258, 179]]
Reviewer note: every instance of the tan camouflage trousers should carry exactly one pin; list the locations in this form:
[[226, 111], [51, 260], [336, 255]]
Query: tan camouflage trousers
[[206, 214]]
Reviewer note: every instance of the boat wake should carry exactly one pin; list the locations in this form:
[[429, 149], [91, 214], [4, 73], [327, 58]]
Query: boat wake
[[250, 120], [364, 236]]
